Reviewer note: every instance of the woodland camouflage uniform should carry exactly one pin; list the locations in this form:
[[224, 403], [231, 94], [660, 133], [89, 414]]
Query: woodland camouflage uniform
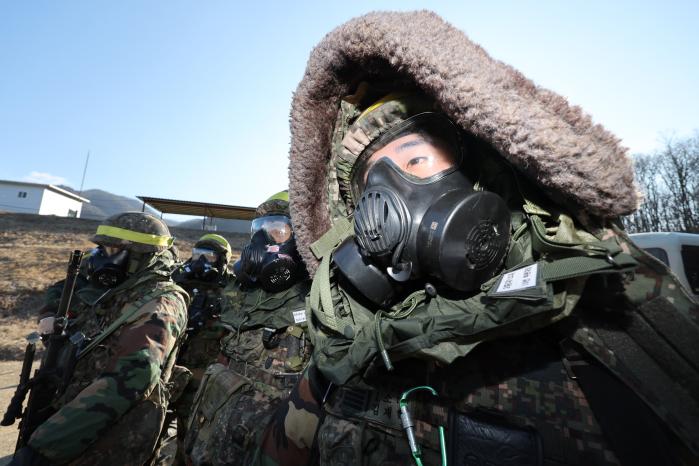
[[261, 358], [596, 364], [113, 407]]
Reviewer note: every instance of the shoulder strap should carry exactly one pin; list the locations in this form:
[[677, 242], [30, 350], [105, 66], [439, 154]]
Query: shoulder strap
[[128, 313], [320, 300], [324, 245], [634, 431], [580, 266]]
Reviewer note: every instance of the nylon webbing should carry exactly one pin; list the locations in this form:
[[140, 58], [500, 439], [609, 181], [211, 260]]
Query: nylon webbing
[[322, 301], [578, 266], [131, 310], [321, 294], [542, 244], [334, 236]]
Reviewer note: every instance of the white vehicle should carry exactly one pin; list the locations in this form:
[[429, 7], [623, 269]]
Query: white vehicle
[[679, 251]]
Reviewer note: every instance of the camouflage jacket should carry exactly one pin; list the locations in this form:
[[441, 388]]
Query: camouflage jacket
[[204, 331], [515, 367], [111, 383], [268, 338], [261, 360]]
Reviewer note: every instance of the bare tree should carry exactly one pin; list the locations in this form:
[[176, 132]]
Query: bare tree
[[669, 180]]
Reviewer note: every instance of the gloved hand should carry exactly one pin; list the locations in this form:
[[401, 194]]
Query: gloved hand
[[27, 456], [46, 325]]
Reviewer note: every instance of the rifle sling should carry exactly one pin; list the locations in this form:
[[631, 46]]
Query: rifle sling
[[127, 314]]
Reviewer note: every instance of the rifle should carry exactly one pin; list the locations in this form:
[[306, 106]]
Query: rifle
[[47, 380], [203, 308]]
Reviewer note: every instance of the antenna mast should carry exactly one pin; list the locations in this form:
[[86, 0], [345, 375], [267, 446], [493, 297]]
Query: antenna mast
[[82, 182]]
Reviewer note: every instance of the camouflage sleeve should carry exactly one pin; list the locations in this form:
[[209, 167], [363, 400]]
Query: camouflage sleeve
[[140, 352], [289, 437]]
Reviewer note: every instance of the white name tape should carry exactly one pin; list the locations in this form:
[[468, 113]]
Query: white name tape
[[518, 279], [299, 316]]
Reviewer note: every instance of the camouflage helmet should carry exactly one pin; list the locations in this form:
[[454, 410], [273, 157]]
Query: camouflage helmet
[[216, 242], [278, 204], [134, 231]]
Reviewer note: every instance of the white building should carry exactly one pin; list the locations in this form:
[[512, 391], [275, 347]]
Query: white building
[[36, 198]]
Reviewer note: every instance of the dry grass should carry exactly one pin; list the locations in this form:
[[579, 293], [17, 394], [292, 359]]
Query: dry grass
[[34, 252]]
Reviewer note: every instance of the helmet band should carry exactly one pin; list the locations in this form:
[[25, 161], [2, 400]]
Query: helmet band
[[136, 237]]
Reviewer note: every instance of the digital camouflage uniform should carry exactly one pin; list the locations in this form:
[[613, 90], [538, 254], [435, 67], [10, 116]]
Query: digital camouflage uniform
[[593, 362], [261, 358], [112, 409]]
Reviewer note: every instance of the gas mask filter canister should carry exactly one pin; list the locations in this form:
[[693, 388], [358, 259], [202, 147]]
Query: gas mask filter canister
[[273, 267]]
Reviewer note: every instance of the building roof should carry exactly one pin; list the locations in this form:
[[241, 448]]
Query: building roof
[[204, 209], [51, 187]]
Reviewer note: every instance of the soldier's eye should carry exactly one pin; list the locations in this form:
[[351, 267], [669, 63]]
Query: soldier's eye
[[416, 161]]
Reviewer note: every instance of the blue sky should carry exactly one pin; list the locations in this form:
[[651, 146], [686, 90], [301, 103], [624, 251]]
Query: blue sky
[[190, 100]]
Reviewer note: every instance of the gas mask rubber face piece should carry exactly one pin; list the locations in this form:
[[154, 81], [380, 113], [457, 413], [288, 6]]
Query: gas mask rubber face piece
[[203, 265], [417, 216], [271, 260], [107, 271]]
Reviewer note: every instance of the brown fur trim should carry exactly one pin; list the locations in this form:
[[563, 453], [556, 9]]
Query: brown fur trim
[[553, 143]]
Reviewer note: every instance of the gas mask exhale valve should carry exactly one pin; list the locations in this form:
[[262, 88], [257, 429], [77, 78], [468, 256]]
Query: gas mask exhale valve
[[273, 267], [107, 271], [409, 228]]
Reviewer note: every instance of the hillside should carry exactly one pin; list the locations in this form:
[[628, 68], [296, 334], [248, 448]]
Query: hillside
[[34, 250], [103, 203]]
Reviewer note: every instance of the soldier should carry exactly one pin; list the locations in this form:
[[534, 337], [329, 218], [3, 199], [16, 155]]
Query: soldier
[[204, 276], [266, 347], [133, 317], [474, 298]]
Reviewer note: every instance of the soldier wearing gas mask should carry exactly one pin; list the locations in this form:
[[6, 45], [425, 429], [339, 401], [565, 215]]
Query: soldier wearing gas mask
[[204, 276], [266, 347], [474, 298], [126, 321]]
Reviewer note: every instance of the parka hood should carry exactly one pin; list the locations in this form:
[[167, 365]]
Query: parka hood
[[552, 143]]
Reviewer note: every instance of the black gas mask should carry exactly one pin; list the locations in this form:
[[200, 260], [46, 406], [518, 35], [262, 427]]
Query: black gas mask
[[201, 269], [204, 265], [421, 223], [105, 270], [268, 264]]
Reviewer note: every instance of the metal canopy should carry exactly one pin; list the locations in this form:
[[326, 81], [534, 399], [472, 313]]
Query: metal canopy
[[203, 209]]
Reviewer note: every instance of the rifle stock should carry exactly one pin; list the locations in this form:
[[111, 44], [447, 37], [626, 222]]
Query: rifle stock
[[43, 386]]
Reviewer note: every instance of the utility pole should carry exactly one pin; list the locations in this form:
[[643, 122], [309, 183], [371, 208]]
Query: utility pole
[[82, 182]]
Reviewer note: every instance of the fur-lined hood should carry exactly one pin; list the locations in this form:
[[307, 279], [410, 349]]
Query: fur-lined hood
[[554, 144]]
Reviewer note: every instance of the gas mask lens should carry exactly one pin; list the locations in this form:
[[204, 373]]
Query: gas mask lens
[[277, 228], [209, 254], [424, 148]]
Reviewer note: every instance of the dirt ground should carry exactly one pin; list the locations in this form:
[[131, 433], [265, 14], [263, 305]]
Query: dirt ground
[[9, 373], [34, 252]]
